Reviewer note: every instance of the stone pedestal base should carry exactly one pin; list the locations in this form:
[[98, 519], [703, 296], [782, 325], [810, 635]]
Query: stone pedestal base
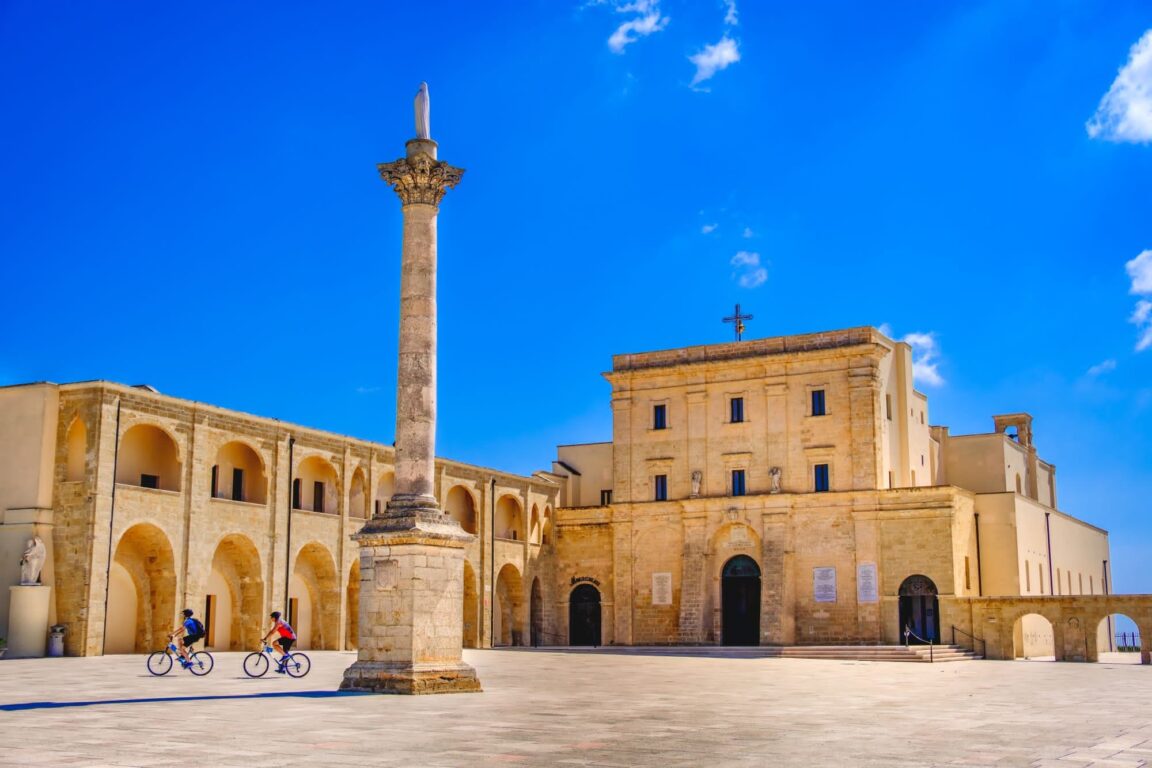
[[28, 621], [411, 593]]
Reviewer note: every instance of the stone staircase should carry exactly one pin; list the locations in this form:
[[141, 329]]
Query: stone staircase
[[872, 652]]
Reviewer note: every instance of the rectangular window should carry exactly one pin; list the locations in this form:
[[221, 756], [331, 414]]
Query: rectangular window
[[1069, 582], [1081, 579], [605, 498], [237, 484], [1027, 576], [1091, 585], [1059, 582], [149, 481], [376, 506], [1040, 576], [888, 406], [660, 487], [215, 481], [921, 417], [891, 479], [296, 497], [318, 496], [818, 402], [737, 409], [738, 482], [659, 417], [967, 574], [820, 478]]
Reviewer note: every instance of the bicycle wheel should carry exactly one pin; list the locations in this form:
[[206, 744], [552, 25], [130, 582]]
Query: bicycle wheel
[[202, 663], [256, 664], [160, 663], [297, 665]]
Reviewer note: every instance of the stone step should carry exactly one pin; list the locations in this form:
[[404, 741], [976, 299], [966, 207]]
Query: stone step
[[873, 653]]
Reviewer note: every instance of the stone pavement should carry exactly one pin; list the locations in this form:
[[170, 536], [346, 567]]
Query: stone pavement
[[606, 708]]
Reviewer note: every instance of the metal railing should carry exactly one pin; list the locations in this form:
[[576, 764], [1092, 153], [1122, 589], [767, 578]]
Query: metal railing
[[1127, 642], [983, 645], [909, 633]]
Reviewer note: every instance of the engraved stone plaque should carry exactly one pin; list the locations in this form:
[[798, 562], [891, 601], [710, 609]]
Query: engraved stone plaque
[[866, 587], [387, 574], [661, 589], [824, 584]]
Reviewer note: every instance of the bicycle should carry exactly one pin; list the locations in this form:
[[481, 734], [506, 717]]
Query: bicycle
[[160, 662], [295, 664]]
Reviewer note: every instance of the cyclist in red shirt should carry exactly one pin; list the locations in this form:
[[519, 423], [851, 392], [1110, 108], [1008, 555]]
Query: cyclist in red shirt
[[285, 640]]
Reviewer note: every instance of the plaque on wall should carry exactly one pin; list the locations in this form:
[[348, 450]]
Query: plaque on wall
[[866, 588], [824, 584], [661, 589]]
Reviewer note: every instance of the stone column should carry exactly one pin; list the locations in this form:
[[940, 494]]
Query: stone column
[[412, 555]]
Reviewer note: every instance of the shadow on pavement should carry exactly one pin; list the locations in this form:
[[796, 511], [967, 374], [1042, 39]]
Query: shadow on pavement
[[163, 699]]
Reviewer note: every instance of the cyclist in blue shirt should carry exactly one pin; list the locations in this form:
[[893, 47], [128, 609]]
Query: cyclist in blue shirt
[[190, 631]]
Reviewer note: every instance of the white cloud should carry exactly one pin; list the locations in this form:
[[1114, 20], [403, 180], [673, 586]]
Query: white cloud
[[1102, 368], [749, 272], [1140, 270], [730, 18], [649, 21], [714, 58], [748, 232], [1142, 319], [708, 228], [925, 367], [1125, 112]]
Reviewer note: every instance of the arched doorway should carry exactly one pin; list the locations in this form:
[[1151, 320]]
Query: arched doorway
[[1032, 638], [584, 616], [536, 615], [740, 598], [471, 637], [142, 591], [508, 609], [919, 609], [314, 599], [233, 613], [352, 626]]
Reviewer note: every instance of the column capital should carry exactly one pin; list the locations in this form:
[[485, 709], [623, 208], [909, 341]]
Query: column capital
[[420, 178]]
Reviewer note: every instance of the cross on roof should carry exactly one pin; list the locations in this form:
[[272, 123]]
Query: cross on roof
[[738, 319]]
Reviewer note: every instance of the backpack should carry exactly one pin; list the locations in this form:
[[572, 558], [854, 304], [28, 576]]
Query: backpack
[[198, 627]]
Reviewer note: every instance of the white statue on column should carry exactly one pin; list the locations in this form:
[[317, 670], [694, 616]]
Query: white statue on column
[[32, 562], [423, 113]]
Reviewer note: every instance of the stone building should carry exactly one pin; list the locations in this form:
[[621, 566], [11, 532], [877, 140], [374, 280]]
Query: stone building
[[150, 503], [791, 491]]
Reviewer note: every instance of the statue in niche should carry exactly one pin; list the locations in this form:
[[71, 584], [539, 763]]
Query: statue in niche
[[774, 476], [697, 479], [32, 562]]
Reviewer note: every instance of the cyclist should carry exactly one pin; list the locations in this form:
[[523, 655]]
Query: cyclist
[[189, 632], [286, 637]]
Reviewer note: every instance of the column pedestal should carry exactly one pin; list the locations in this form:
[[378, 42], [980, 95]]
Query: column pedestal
[[28, 621], [411, 590]]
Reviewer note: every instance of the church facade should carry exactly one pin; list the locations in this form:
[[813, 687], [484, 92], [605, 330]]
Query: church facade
[[782, 491]]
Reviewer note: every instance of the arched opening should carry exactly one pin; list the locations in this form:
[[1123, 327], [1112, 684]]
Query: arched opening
[[546, 527], [584, 615], [1118, 640], [740, 599], [239, 474], [314, 599], [148, 458], [534, 525], [471, 637], [919, 610], [142, 594], [509, 519], [234, 611], [357, 495], [385, 487], [536, 615], [316, 487], [509, 607], [77, 451], [461, 507], [352, 626], [1032, 638]]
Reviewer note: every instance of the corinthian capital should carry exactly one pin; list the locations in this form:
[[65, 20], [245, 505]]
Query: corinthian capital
[[420, 178]]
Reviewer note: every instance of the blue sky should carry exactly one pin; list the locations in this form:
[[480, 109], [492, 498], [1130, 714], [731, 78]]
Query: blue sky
[[190, 199]]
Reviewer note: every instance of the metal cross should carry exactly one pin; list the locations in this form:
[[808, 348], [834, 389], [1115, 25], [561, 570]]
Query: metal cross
[[738, 319]]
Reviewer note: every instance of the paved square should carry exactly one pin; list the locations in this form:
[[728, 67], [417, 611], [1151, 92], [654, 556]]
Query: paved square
[[607, 708]]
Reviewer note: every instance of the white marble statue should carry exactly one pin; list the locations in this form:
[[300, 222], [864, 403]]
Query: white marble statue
[[697, 478], [774, 475], [32, 562], [423, 113]]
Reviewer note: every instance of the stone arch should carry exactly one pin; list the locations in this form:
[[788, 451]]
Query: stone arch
[[546, 526], [352, 625], [734, 536], [314, 598], [316, 487], [143, 559], [919, 609], [1118, 633], [235, 617], [740, 601], [148, 458], [77, 441], [1033, 636], [509, 518], [536, 615], [534, 525], [385, 487], [471, 637], [358, 495], [461, 506], [238, 474], [584, 615], [509, 607]]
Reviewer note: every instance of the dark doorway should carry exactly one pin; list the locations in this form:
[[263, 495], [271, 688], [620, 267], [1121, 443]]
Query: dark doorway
[[536, 615], [741, 600], [919, 610], [584, 616]]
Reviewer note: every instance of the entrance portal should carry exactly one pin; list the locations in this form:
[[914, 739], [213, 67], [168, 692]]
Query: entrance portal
[[740, 590], [584, 616], [919, 610]]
